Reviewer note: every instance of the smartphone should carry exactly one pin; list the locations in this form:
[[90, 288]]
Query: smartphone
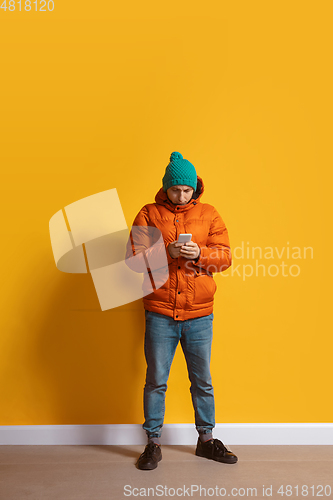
[[184, 238]]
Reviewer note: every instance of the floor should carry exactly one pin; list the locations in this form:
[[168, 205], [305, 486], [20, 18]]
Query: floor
[[109, 472]]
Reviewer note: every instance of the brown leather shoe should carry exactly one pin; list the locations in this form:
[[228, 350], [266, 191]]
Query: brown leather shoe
[[149, 459], [214, 449]]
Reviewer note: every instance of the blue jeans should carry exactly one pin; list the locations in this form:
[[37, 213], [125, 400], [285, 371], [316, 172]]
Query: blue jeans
[[161, 339]]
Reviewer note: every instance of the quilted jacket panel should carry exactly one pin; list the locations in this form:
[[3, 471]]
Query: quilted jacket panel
[[190, 287]]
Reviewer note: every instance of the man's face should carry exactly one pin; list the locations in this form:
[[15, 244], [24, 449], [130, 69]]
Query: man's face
[[180, 195]]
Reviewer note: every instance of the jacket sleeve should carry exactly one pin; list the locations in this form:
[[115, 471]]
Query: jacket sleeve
[[215, 256], [145, 246]]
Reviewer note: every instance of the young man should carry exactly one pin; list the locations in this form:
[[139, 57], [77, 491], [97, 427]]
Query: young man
[[181, 310]]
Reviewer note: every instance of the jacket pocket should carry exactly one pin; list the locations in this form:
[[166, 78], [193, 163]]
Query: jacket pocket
[[204, 288]]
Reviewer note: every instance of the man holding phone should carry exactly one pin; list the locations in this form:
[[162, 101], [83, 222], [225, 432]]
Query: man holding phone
[[181, 310]]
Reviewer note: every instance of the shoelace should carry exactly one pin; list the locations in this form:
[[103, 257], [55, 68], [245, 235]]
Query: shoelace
[[149, 450], [219, 445]]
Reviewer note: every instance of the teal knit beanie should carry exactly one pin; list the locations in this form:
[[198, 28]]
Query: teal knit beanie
[[179, 172]]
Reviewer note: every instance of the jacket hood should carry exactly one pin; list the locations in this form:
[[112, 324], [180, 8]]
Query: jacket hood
[[161, 198]]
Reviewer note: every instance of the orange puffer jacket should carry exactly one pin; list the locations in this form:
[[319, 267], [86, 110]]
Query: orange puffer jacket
[[189, 290]]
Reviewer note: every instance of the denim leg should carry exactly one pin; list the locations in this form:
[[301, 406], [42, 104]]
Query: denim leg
[[196, 342], [161, 339]]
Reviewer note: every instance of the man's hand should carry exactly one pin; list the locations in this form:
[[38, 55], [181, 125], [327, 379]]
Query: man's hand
[[189, 250]]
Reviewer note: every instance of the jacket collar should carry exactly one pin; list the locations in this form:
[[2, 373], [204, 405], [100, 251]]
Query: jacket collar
[[161, 198]]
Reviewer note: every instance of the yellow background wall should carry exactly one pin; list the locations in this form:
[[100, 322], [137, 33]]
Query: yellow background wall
[[96, 96]]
